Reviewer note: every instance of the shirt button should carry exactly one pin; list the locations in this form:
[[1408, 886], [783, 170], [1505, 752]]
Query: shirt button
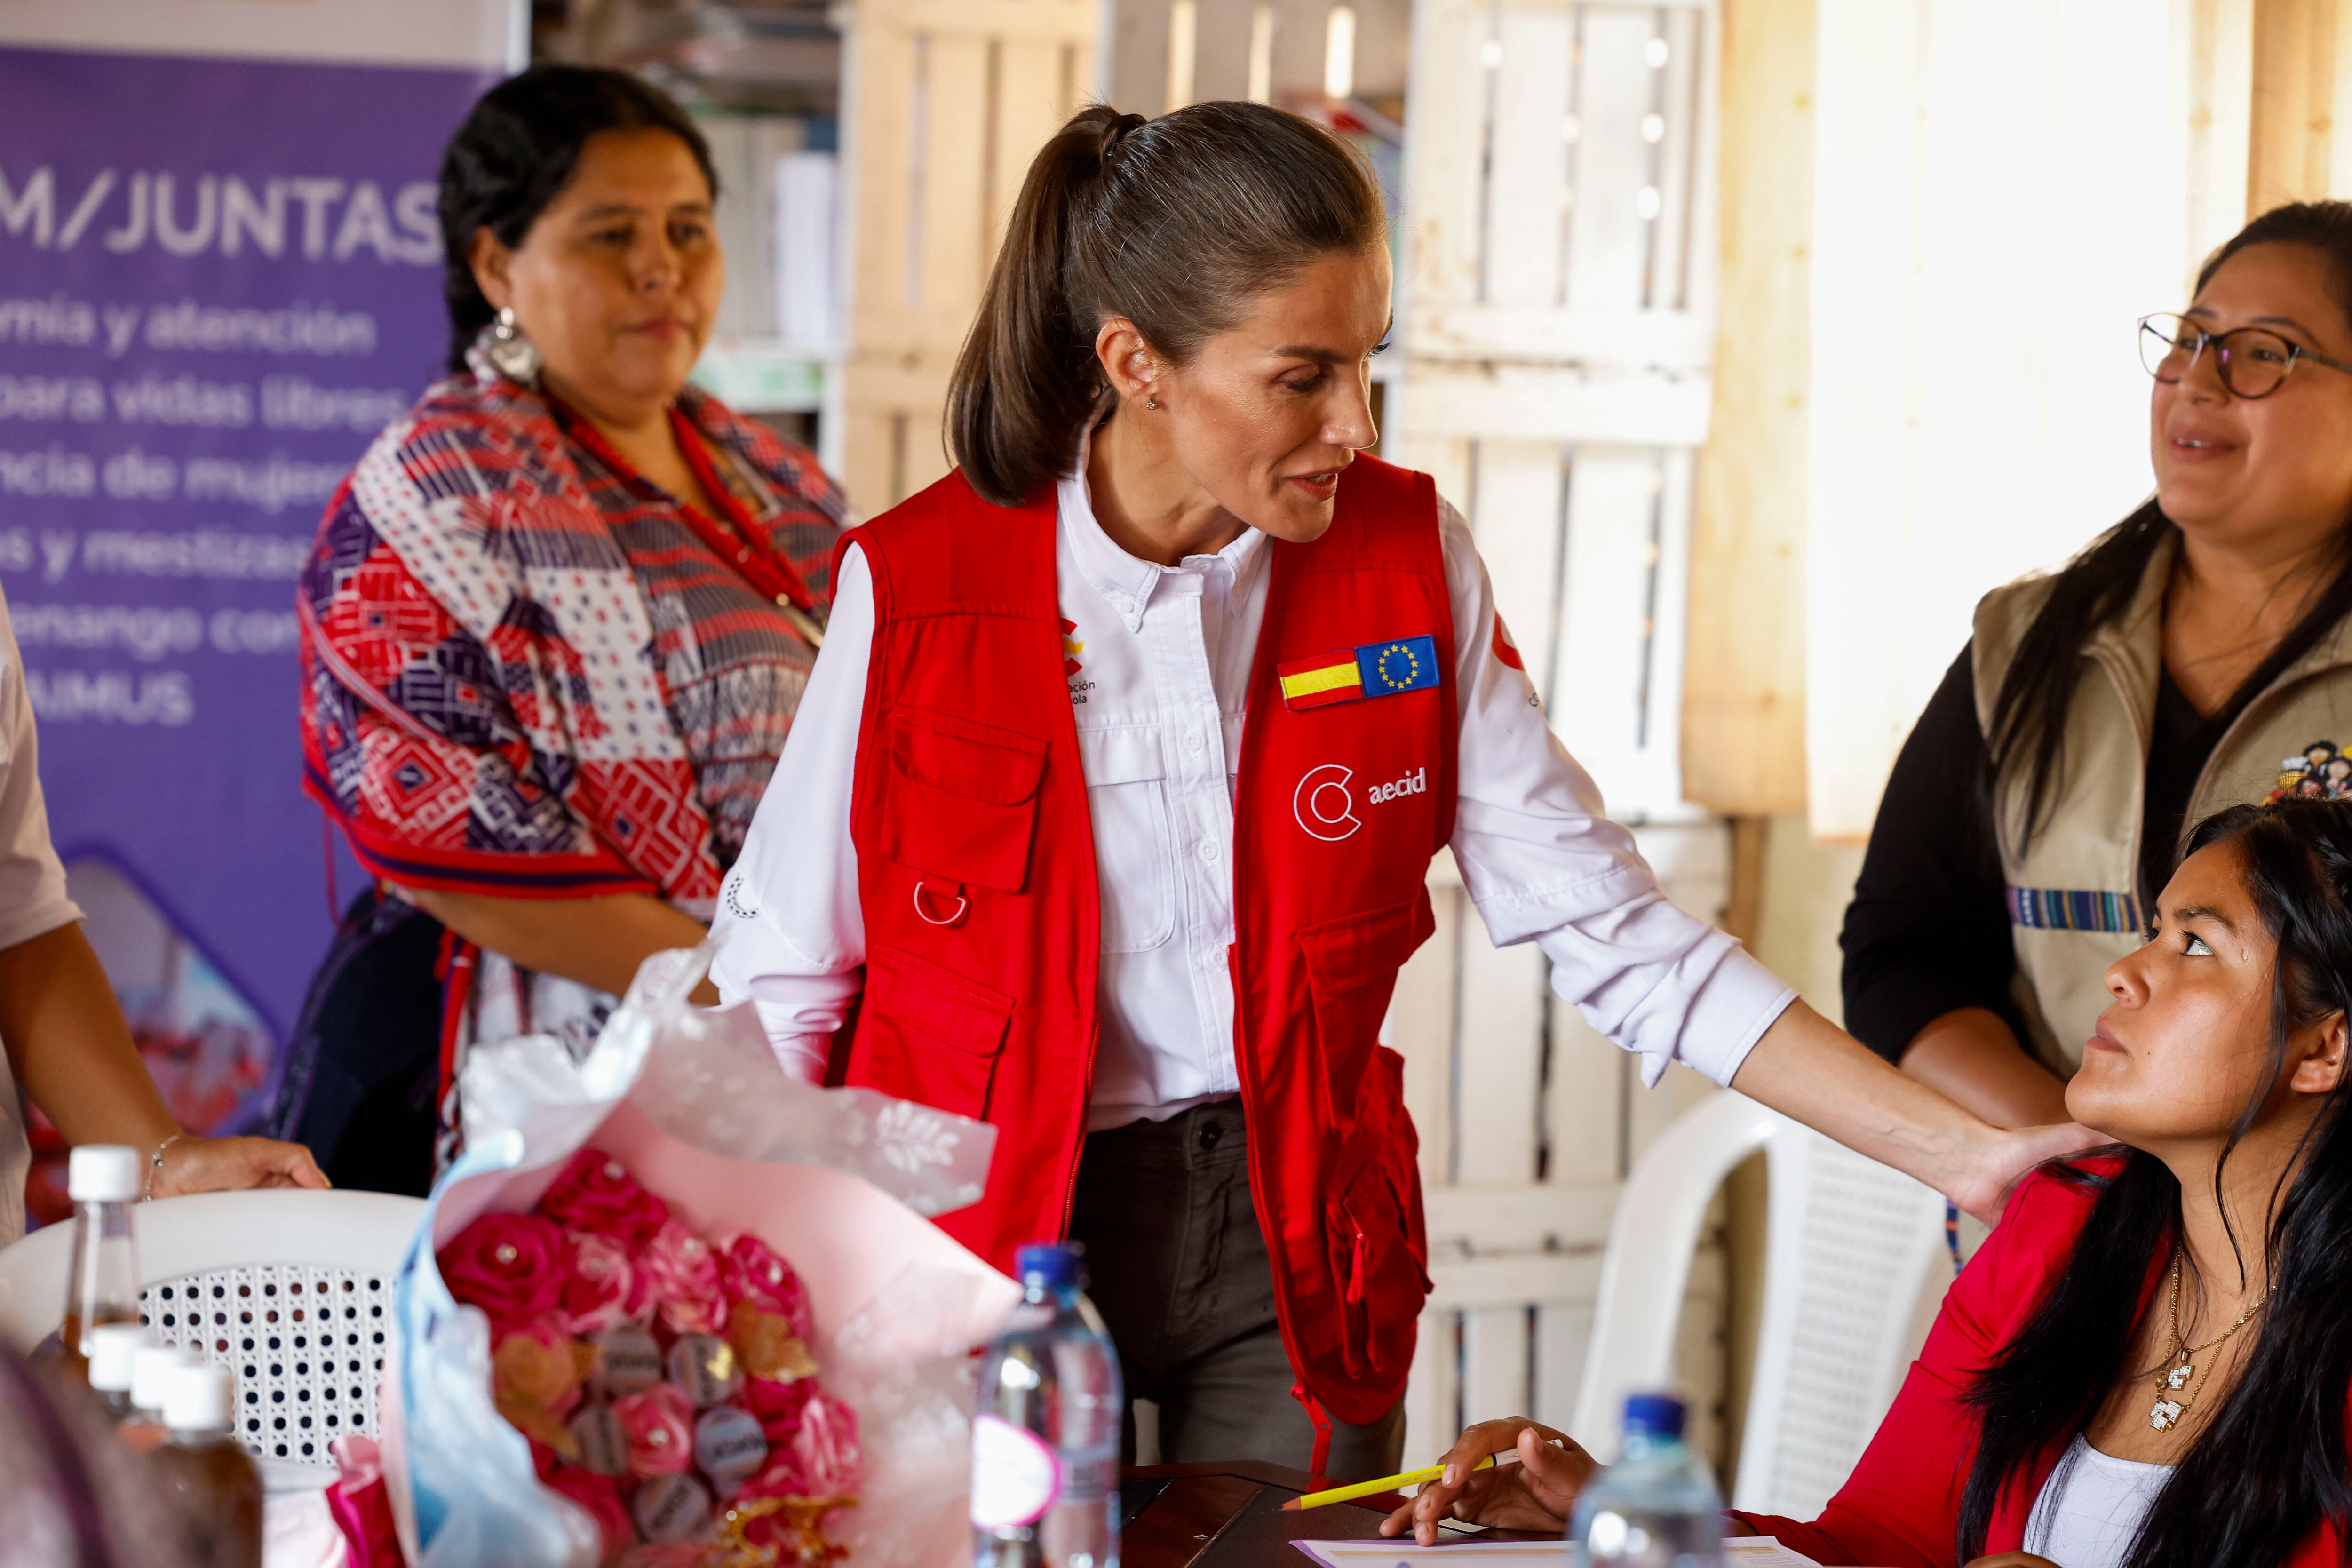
[[1209, 850], [1193, 743]]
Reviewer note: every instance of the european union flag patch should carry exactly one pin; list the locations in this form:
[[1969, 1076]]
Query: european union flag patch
[[1374, 670]]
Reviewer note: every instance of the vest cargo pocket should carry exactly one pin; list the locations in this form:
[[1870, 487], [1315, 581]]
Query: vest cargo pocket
[[1351, 966], [1379, 1260], [961, 800], [928, 1033]]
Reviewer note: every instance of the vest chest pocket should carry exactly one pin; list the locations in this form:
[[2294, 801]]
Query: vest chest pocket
[[963, 798], [1127, 798], [929, 1033]]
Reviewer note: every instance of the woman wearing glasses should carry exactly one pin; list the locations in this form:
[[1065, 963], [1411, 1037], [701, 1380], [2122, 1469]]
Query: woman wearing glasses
[[2195, 657]]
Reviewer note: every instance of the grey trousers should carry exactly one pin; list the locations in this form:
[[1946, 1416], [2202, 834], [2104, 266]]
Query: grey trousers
[[1182, 1276]]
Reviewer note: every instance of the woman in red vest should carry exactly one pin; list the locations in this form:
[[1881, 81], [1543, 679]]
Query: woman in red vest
[[2149, 1362], [1112, 794]]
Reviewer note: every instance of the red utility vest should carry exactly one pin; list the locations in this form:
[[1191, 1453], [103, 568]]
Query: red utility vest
[[976, 871]]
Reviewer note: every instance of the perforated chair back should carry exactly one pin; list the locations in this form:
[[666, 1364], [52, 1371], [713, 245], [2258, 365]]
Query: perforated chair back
[[290, 1290], [1853, 1248]]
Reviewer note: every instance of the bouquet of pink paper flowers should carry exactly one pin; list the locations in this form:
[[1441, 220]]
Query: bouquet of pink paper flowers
[[664, 1379]]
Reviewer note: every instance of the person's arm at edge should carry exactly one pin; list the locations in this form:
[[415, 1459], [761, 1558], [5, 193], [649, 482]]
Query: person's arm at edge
[[598, 942], [1809, 1070], [1702, 989]]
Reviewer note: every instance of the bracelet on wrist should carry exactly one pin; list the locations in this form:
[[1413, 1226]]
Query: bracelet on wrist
[[155, 1165]]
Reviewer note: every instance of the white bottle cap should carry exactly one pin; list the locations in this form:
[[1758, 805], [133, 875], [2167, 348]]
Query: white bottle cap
[[112, 1348], [150, 1367], [200, 1398], [104, 1173]]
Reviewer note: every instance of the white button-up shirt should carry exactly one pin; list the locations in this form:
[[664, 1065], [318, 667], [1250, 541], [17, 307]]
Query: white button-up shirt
[[1162, 657]]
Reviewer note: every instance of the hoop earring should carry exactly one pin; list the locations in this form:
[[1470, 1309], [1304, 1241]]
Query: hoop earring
[[510, 350]]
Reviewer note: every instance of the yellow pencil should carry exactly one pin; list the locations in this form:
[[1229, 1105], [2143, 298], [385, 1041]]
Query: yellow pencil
[[1385, 1484]]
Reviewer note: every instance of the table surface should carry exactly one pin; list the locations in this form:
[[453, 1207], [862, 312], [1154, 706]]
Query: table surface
[[1231, 1516]]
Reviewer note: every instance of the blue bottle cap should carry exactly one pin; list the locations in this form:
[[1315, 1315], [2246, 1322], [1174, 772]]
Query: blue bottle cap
[[1055, 1264], [1654, 1416]]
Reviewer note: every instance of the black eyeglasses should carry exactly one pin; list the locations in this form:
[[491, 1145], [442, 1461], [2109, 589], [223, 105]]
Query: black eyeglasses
[[2251, 361]]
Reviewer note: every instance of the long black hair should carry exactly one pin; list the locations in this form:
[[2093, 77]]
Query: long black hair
[[1176, 224], [2271, 1467], [2029, 714], [516, 150]]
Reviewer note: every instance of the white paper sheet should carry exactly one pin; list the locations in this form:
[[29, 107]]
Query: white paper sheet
[[1741, 1552]]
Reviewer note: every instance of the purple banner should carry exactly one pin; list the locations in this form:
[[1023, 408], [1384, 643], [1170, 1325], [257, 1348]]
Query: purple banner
[[218, 279]]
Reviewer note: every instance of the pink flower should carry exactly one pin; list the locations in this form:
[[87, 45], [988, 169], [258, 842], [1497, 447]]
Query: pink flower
[[778, 1405], [603, 1288], [822, 1460], [755, 1274], [681, 1272], [597, 1193], [660, 1424], [601, 1496], [511, 1266]]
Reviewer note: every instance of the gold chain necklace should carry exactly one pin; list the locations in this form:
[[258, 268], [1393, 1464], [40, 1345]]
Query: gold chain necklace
[[2178, 1378]]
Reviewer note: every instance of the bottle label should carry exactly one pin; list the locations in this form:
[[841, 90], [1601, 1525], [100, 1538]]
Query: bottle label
[[1015, 1474]]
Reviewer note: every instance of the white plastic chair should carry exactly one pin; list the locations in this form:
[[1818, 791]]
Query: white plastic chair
[[289, 1290], [1851, 1249]]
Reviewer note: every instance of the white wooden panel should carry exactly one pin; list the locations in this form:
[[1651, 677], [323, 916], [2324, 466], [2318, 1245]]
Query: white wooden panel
[[1584, 1103], [1679, 123], [1447, 110], [1420, 1027], [1496, 1360], [1475, 1284], [1516, 402], [1661, 340], [1560, 1336], [1517, 525], [1605, 647], [1499, 1051], [1554, 1216], [1527, 160], [1609, 238], [1433, 1395]]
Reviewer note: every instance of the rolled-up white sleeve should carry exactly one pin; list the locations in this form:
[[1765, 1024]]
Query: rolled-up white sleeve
[[791, 934], [33, 900], [1543, 864]]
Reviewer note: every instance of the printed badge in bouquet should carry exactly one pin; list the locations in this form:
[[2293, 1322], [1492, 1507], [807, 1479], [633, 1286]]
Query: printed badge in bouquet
[[671, 1309]]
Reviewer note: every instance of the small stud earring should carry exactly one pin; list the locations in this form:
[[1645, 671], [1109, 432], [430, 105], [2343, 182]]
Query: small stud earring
[[1152, 403]]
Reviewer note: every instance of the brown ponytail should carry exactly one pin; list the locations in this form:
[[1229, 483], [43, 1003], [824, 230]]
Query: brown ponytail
[[1175, 223]]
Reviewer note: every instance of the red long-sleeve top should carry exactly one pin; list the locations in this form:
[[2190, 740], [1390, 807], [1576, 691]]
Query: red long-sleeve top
[[1901, 1505]]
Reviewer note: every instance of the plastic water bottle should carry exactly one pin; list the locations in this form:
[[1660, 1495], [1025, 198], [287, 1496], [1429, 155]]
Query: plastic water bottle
[[1657, 1506], [1045, 1438], [103, 1280]]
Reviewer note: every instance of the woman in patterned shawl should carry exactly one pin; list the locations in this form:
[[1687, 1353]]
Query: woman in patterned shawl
[[557, 623]]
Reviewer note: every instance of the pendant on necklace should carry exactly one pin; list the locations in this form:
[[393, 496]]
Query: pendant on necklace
[[2166, 1413]]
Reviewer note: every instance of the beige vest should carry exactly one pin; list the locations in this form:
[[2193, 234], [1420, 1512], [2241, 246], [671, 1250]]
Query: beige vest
[[2074, 898]]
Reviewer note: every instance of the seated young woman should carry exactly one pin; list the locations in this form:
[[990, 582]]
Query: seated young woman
[[2149, 1362]]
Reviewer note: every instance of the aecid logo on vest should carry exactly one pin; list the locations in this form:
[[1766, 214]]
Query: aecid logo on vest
[[1327, 810]]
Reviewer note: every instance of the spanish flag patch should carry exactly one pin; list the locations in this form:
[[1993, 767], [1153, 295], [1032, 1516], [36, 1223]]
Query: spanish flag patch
[[1374, 670]]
